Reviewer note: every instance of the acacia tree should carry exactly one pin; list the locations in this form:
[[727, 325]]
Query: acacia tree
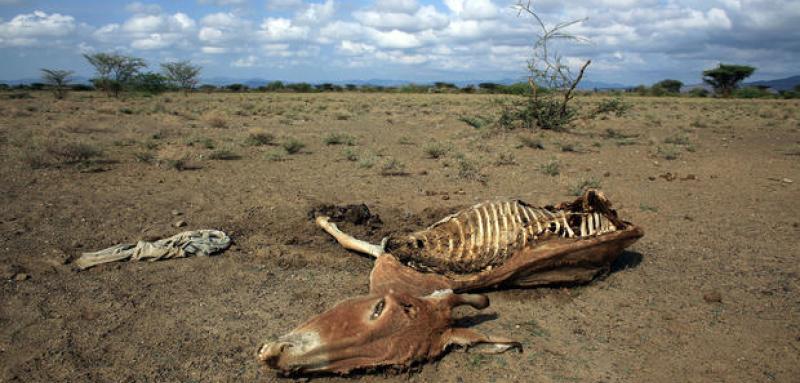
[[669, 85], [726, 78], [58, 80], [182, 74], [550, 110], [114, 71]]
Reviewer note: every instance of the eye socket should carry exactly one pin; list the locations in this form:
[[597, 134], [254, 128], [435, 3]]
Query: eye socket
[[378, 309]]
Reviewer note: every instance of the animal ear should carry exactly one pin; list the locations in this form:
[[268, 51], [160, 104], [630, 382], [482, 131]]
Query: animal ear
[[470, 339]]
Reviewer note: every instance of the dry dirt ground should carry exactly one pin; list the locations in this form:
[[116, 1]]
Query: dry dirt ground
[[711, 293]]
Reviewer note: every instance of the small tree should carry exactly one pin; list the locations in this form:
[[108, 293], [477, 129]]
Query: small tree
[[548, 110], [670, 86], [58, 80], [114, 71], [182, 74], [726, 78]]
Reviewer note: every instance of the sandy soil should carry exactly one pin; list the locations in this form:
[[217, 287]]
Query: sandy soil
[[711, 293]]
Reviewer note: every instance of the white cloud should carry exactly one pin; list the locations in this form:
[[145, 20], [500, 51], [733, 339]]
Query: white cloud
[[424, 18], [281, 29], [30, 28], [394, 6], [245, 62], [316, 13], [395, 39], [472, 9], [351, 48]]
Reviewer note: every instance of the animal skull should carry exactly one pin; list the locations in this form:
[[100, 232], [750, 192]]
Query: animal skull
[[392, 329]]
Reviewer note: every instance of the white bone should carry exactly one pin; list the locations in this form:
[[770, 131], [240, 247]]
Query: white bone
[[568, 231], [583, 226], [591, 224], [349, 242]]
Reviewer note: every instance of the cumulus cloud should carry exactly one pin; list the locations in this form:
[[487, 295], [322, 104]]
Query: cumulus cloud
[[31, 28], [628, 37]]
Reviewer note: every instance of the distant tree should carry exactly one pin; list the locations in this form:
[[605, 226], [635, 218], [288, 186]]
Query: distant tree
[[489, 86], [468, 89], [274, 86], [797, 88], [4, 86], [208, 88], [726, 78], [182, 74], [300, 87], [58, 80], [698, 92], [444, 85], [237, 87], [150, 83], [326, 87], [351, 87], [114, 71], [670, 86]]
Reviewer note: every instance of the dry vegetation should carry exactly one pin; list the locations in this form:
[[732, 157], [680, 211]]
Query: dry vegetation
[[710, 293]]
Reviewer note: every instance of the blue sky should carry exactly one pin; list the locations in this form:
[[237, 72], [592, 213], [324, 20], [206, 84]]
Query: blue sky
[[630, 41]]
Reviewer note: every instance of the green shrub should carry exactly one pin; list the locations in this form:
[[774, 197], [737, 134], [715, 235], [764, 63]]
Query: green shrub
[[293, 146], [259, 139], [435, 150], [340, 139], [551, 168]]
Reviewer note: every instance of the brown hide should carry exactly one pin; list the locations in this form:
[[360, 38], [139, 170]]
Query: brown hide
[[392, 329], [553, 262]]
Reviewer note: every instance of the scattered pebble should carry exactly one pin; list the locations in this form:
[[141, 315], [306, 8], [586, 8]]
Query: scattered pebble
[[787, 180], [712, 297], [176, 213], [21, 277], [445, 197], [180, 224], [651, 178]]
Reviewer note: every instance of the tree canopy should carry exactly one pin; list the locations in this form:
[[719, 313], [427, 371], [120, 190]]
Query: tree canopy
[[182, 74], [726, 78], [58, 80], [669, 85]]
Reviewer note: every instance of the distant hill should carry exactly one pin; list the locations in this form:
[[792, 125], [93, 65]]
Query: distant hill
[[787, 83], [780, 84]]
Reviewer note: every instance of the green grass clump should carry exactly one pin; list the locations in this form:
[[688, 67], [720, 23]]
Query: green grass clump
[[223, 155], [552, 168], [435, 150], [531, 142], [293, 146], [259, 139], [340, 139]]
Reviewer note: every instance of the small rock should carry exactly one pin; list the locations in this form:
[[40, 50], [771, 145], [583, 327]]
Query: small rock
[[180, 224], [607, 174], [176, 213], [461, 192], [787, 180], [8, 271], [445, 197], [651, 178], [712, 297], [21, 277]]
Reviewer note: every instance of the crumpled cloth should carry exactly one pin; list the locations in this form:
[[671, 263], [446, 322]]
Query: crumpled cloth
[[185, 244]]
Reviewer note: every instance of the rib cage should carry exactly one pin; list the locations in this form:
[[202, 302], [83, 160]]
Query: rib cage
[[480, 237]]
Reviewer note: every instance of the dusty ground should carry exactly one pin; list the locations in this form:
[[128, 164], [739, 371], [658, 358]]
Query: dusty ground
[[726, 228]]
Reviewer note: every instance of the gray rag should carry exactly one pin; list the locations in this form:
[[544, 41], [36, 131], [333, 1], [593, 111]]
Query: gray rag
[[188, 243]]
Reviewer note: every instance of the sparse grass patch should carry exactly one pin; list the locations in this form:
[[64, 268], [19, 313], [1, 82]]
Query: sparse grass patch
[[646, 207], [583, 185], [275, 156], [435, 150], [259, 139], [340, 139], [552, 168], [506, 159], [668, 152], [612, 105], [204, 142], [393, 167], [677, 139], [144, 157], [216, 120], [224, 155], [293, 146], [350, 155], [406, 141], [476, 122], [531, 142], [568, 147], [73, 152], [469, 170]]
